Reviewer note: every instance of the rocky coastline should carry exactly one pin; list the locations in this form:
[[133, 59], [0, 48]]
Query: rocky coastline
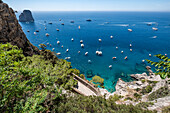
[[26, 16], [141, 90]]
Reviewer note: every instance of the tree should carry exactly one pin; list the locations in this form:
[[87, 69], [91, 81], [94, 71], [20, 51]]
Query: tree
[[162, 66], [98, 81]]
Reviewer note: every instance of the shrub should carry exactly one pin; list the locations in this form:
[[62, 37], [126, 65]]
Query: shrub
[[82, 76], [98, 80], [162, 92], [143, 80], [147, 89]]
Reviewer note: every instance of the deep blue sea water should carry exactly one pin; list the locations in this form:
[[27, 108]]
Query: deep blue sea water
[[103, 25]]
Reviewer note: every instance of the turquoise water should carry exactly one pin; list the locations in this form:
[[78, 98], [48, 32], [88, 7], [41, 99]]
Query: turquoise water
[[103, 25]]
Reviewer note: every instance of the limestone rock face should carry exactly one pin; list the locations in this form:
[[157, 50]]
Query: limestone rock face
[[26, 16], [11, 31]]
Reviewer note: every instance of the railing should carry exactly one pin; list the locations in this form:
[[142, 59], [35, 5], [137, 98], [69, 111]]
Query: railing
[[91, 87]]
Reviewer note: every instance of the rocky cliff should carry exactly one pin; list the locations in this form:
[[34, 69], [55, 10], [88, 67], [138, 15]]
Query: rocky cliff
[[26, 16], [11, 31]]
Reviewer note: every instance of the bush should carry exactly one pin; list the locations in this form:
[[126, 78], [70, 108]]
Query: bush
[[147, 89], [137, 96], [98, 81], [143, 80], [162, 92], [82, 76]]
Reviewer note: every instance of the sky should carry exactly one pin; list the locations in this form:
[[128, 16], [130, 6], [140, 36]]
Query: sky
[[90, 5]]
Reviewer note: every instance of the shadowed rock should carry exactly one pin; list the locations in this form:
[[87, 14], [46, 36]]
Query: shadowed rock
[[26, 16]]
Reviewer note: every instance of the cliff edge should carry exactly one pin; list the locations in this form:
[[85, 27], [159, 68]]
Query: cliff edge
[[26, 16], [11, 31]]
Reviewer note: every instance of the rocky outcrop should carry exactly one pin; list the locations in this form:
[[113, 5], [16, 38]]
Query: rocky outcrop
[[26, 16], [11, 31]]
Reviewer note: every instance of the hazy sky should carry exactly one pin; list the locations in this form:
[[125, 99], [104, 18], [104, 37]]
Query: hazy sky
[[90, 5]]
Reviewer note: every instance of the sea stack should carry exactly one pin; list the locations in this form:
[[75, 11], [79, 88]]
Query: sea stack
[[26, 16]]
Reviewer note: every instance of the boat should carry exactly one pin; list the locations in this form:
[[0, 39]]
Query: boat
[[59, 19], [67, 50], [149, 24], [81, 41], [111, 37], [100, 40], [47, 34], [130, 45], [110, 66], [57, 29], [154, 37], [50, 23], [67, 58], [82, 45], [62, 23], [47, 43], [50, 45], [99, 53], [78, 51], [58, 53], [45, 28], [72, 39], [62, 46], [79, 27], [143, 60], [53, 49], [89, 20], [37, 31], [154, 28], [113, 57], [130, 30], [121, 51], [116, 47], [28, 31], [125, 58], [86, 53], [89, 61], [58, 42], [165, 54], [72, 21], [131, 50], [150, 55]]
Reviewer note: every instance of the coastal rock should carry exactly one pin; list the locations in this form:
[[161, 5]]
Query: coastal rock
[[11, 31], [26, 16]]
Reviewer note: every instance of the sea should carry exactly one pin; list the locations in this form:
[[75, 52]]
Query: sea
[[103, 25]]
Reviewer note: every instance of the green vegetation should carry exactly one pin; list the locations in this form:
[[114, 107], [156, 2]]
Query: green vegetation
[[91, 104], [145, 104], [147, 89], [162, 92], [166, 109], [143, 80], [137, 96], [98, 81], [82, 76], [162, 67], [31, 83], [35, 84]]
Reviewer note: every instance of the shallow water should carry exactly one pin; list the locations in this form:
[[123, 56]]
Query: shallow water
[[103, 25]]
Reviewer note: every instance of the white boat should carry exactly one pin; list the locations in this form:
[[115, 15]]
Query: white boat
[[99, 53], [131, 50], [81, 41], [113, 57], [130, 30], [35, 33], [110, 66], [121, 51], [89, 61], [53, 49], [67, 58], [111, 37], [150, 55], [143, 60], [116, 47], [154, 28], [67, 50], [86, 53], [100, 40], [47, 34], [130, 45], [57, 29], [78, 51], [47, 43], [82, 45], [58, 42], [72, 39], [58, 53], [79, 27]]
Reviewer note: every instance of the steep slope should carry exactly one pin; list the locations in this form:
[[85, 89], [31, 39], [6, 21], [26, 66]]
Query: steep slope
[[11, 31]]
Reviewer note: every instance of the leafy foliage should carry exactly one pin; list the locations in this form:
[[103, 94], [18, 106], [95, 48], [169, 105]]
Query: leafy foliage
[[98, 81], [31, 83], [162, 67]]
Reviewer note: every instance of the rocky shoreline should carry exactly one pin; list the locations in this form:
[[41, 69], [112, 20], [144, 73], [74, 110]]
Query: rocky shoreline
[[130, 91]]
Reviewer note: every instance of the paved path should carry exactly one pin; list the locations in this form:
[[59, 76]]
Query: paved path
[[85, 90]]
